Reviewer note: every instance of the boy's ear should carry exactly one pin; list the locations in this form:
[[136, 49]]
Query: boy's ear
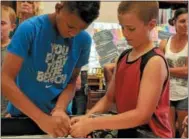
[[152, 24], [59, 6], [13, 26]]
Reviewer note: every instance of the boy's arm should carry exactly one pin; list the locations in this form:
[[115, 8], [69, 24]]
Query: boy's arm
[[154, 76], [108, 72], [18, 49], [67, 95], [104, 103], [11, 66]]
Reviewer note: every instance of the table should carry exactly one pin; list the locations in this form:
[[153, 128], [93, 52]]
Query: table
[[31, 136], [24, 127]]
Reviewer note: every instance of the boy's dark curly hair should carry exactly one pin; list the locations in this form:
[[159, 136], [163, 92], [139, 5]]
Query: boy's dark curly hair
[[88, 11]]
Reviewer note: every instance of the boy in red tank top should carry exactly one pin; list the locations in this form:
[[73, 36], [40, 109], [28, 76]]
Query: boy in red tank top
[[140, 85]]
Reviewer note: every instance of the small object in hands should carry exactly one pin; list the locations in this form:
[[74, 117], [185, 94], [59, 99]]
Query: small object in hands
[[103, 133]]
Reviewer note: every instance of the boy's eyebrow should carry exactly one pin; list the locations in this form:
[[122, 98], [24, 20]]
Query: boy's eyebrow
[[126, 25], [70, 26], [129, 25]]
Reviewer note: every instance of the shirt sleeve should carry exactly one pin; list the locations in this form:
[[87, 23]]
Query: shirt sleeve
[[22, 40], [85, 52]]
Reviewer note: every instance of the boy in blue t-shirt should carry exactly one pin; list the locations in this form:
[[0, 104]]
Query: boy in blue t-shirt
[[43, 61]]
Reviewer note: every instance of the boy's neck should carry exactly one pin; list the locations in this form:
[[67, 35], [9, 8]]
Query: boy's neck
[[142, 49], [52, 18], [4, 43]]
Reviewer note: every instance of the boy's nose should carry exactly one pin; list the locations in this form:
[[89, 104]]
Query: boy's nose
[[125, 33]]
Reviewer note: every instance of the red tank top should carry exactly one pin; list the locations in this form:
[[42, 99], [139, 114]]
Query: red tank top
[[128, 78]]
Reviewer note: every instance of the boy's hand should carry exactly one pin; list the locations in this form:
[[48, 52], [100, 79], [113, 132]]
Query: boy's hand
[[66, 124], [8, 115], [81, 128], [53, 125], [78, 118]]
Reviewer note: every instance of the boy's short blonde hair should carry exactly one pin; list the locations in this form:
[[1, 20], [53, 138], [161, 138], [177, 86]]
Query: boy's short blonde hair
[[10, 11], [145, 10]]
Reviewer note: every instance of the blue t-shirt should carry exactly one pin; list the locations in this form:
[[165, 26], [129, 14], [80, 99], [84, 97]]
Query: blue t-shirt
[[49, 61]]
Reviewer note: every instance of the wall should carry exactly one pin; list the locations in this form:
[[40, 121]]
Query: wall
[[49, 7], [108, 12]]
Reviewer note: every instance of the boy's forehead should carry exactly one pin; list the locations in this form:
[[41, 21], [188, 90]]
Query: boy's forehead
[[129, 17], [4, 14]]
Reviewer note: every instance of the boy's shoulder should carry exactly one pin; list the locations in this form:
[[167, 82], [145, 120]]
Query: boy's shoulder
[[154, 52], [83, 35], [83, 38], [149, 55], [41, 19], [35, 24]]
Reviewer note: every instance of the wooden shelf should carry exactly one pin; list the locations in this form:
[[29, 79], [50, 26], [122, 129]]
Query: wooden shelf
[[93, 84], [94, 97], [93, 77], [94, 80]]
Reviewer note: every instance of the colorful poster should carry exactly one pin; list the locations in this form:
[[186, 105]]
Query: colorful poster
[[109, 42], [105, 46]]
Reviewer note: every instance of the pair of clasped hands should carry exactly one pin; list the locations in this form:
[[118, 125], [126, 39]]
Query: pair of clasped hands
[[59, 124]]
